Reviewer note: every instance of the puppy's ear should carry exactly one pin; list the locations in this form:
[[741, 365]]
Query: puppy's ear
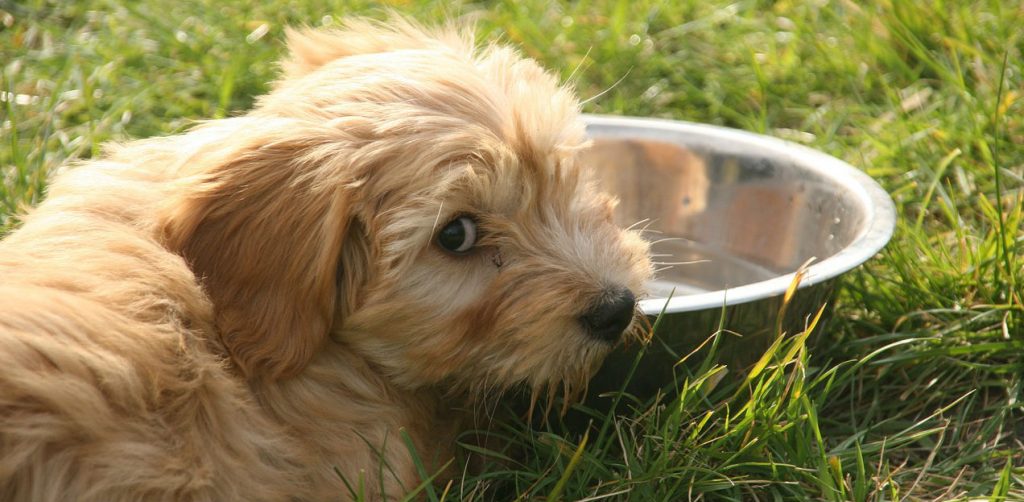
[[262, 224], [311, 48]]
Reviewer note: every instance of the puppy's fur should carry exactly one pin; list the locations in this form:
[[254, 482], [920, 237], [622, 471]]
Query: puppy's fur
[[255, 308]]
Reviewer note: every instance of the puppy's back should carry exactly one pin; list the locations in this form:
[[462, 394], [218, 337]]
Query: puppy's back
[[110, 386]]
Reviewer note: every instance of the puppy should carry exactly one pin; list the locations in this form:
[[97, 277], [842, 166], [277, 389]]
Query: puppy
[[283, 304]]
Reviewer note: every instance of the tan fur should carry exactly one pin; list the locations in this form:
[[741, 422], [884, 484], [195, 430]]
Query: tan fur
[[244, 311]]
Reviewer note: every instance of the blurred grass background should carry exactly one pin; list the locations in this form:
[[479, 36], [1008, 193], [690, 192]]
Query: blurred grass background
[[913, 392]]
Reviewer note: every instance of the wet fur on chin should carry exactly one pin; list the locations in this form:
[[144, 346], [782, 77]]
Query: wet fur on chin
[[247, 310]]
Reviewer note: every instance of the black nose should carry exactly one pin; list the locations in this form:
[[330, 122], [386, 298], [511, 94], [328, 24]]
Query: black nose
[[609, 316]]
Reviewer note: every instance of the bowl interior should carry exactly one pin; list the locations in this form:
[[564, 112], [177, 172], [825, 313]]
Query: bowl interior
[[725, 209]]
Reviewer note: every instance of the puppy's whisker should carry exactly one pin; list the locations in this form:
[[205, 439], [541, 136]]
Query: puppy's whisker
[[566, 396], [606, 91], [646, 222], [535, 393], [583, 61], [674, 263], [552, 391], [646, 229], [437, 220], [634, 333], [491, 405]]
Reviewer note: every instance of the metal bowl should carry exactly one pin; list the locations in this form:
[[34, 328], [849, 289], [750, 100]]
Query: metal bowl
[[732, 216]]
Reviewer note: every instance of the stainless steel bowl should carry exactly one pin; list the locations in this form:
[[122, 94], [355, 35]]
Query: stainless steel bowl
[[732, 216]]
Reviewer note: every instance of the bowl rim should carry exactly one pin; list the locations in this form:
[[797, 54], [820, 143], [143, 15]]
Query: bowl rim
[[876, 231]]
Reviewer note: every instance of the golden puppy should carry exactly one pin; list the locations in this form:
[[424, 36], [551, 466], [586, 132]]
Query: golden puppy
[[258, 308]]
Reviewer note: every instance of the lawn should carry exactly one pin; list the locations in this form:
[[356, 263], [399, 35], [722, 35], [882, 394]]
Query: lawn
[[911, 392]]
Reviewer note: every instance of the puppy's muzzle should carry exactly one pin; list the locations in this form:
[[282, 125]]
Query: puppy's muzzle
[[610, 315]]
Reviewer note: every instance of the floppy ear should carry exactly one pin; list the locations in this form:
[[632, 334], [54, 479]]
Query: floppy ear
[[262, 225]]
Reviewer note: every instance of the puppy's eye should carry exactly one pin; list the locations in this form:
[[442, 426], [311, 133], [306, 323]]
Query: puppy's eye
[[458, 236]]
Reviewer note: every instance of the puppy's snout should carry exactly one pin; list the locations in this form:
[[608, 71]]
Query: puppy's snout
[[610, 315]]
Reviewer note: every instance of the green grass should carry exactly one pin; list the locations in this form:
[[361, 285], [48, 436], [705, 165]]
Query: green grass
[[913, 390]]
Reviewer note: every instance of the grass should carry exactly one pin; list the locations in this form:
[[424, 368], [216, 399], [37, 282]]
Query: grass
[[912, 391]]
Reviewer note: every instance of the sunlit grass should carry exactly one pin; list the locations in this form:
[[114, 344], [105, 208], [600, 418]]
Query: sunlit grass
[[912, 390]]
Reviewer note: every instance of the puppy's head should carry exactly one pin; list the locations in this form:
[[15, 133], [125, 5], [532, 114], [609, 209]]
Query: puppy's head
[[408, 197]]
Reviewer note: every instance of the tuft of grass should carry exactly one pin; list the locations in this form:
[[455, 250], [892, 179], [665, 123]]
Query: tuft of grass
[[911, 392]]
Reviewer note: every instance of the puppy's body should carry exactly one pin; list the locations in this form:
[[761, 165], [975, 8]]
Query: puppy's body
[[114, 385], [257, 308]]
